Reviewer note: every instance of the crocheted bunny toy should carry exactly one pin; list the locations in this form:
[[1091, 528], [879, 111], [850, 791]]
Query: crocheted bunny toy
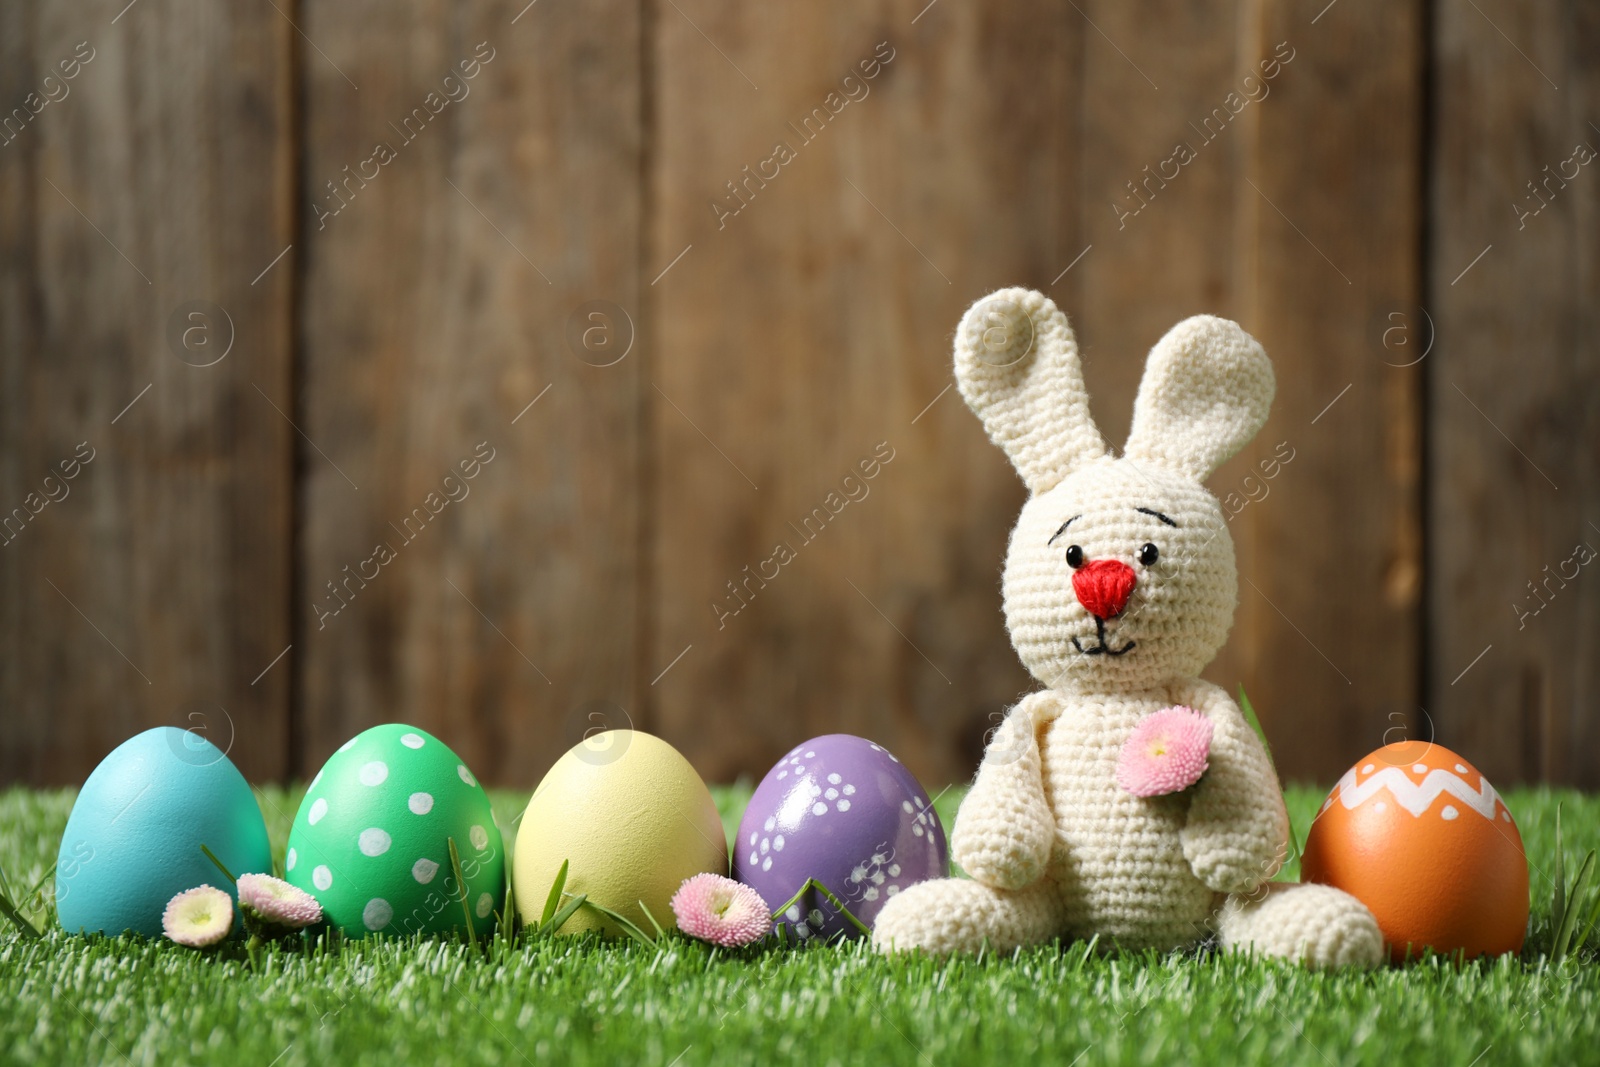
[[1119, 588]]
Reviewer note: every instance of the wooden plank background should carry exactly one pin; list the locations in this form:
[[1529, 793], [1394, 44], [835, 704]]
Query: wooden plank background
[[435, 310], [551, 359], [1514, 388], [140, 204]]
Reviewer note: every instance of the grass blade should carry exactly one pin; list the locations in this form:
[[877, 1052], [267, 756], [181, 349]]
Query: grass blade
[[461, 883], [35, 897], [559, 919], [212, 856], [1588, 927], [553, 901], [43, 878], [627, 925], [508, 922], [1558, 902], [777, 912], [660, 933], [839, 906], [812, 883], [1569, 919], [9, 910], [1255, 724], [1254, 720]]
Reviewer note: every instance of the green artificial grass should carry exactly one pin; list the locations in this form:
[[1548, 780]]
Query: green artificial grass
[[579, 1000]]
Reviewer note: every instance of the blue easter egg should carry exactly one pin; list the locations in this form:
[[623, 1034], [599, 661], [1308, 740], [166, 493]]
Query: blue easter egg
[[133, 840]]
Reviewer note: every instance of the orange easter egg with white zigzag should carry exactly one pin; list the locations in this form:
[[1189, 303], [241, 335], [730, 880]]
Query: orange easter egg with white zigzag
[[1415, 833]]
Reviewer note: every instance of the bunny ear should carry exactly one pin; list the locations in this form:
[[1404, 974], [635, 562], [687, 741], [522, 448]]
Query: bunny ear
[[1017, 366], [1206, 390]]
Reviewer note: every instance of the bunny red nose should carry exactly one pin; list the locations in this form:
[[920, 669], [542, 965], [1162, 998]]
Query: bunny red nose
[[1104, 586]]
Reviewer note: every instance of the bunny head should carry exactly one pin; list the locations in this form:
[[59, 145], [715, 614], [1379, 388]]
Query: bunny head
[[1120, 573]]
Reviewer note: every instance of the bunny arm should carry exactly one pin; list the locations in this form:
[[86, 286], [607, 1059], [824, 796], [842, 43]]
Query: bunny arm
[[1237, 832], [1005, 830]]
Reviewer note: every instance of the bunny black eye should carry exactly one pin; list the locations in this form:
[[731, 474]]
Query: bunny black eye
[[1149, 554], [1074, 556]]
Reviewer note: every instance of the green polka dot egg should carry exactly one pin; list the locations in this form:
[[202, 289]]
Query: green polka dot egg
[[371, 839]]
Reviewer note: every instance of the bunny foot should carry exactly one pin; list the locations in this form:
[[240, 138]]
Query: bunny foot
[[1317, 925], [959, 915]]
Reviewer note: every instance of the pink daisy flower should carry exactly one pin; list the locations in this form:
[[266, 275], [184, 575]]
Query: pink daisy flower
[[275, 901], [1166, 753], [198, 917], [721, 911]]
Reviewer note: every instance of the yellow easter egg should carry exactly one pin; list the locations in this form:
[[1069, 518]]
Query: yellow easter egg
[[632, 820]]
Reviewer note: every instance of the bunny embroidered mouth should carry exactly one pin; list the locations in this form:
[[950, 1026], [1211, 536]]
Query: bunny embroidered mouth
[[1104, 647]]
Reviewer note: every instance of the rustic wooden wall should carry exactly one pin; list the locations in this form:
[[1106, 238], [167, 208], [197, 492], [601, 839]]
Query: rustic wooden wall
[[522, 242], [435, 310], [1514, 389], [138, 210]]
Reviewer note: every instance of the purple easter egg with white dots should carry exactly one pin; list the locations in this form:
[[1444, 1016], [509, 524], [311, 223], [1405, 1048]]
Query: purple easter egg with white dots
[[844, 811]]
